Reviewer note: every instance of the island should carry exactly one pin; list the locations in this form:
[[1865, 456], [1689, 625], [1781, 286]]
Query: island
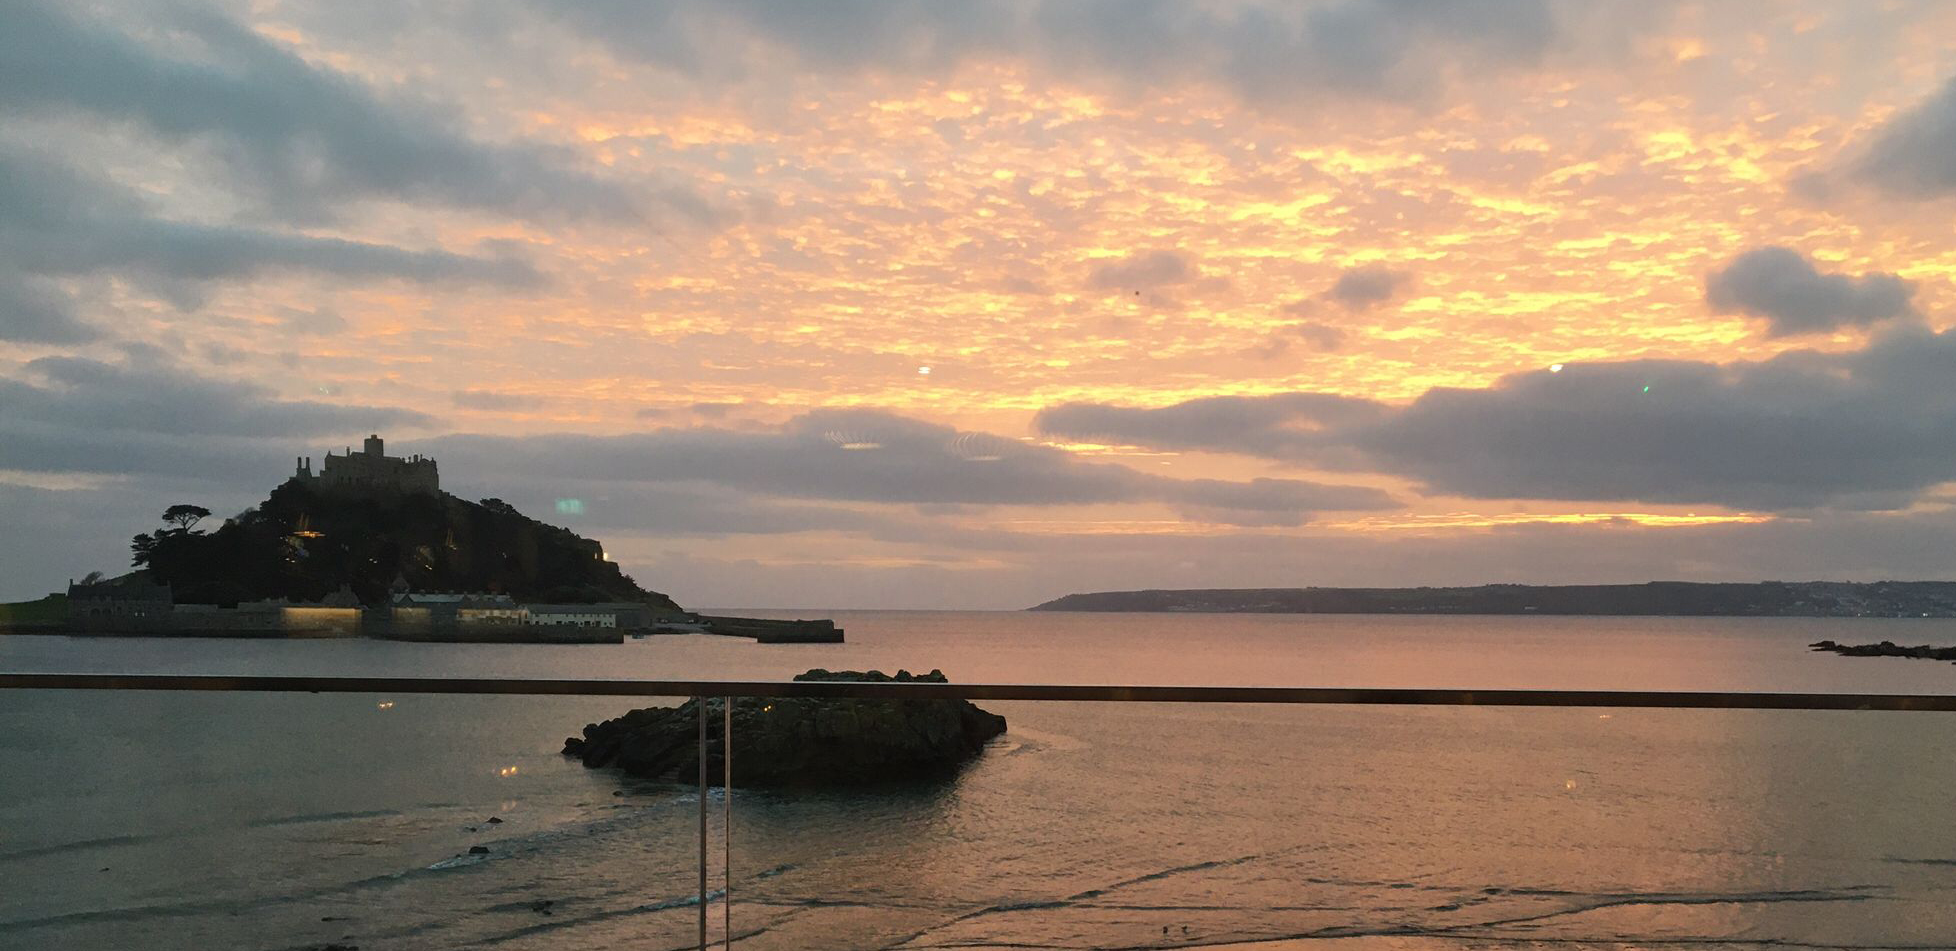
[[797, 741], [1653, 599], [370, 545], [1886, 649]]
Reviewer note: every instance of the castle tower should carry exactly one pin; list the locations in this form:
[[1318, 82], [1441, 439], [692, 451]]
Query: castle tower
[[371, 470]]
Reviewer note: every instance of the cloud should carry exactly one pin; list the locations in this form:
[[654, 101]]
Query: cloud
[[132, 438], [300, 137], [55, 221], [1271, 54], [68, 414], [1362, 288], [492, 401], [33, 312], [694, 412], [1287, 426], [1323, 337], [1872, 428], [58, 395], [1796, 298], [876, 457], [1914, 154], [1320, 337], [1145, 271], [319, 321]]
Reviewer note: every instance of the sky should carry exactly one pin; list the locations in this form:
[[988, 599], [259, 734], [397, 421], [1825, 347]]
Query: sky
[[905, 304]]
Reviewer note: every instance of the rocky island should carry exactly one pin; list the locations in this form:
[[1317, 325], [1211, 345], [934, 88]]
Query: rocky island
[[797, 741], [1886, 649], [370, 545]]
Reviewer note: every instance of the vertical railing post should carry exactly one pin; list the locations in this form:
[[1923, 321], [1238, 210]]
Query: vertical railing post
[[702, 703], [726, 828]]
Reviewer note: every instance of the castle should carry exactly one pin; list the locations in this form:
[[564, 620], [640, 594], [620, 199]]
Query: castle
[[371, 470]]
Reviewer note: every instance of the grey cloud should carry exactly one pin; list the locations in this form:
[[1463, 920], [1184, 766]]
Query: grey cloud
[[1323, 337], [55, 221], [157, 434], [694, 411], [1268, 53], [63, 398], [1914, 155], [1796, 298], [312, 322], [862, 456], [493, 401], [1145, 271], [1873, 428], [1267, 502], [223, 354], [1285, 426], [33, 312], [1362, 288], [612, 510], [705, 512], [74, 415], [298, 136]]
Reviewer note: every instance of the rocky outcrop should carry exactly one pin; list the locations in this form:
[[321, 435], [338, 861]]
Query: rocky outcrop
[[796, 741], [1886, 649]]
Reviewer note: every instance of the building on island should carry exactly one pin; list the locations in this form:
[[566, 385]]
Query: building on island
[[411, 615], [464, 608], [335, 615], [132, 607], [497, 618], [120, 606], [371, 470], [572, 615], [419, 615], [273, 617]]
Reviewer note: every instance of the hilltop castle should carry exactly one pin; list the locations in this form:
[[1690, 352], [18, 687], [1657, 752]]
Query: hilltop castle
[[369, 471]]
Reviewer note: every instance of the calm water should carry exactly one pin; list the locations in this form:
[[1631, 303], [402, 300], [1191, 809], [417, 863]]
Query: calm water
[[248, 821]]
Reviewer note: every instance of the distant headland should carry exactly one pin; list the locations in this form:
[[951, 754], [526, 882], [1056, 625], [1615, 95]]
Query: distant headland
[[1653, 599], [370, 545]]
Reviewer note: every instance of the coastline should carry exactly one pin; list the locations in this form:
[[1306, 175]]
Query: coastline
[[1841, 599]]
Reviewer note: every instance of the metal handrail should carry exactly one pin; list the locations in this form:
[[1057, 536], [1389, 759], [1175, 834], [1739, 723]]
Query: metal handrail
[[915, 690]]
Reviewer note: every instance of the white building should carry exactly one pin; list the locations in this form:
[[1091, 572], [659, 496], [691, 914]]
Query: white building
[[572, 615]]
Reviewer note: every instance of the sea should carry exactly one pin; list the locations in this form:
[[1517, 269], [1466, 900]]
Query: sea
[[283, 821]]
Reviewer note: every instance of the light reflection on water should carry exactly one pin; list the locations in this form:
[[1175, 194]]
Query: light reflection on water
[[167, 820]]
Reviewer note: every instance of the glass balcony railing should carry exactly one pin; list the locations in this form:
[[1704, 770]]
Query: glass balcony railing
[[382, 812]]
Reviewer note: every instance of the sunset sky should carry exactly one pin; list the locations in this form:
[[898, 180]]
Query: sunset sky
[[911, 304]]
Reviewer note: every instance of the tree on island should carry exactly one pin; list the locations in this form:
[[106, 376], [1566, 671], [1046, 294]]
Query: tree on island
[[185, 516]]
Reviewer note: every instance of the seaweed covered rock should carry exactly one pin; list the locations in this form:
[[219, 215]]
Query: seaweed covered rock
[[797, 741], [1886, 649]]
